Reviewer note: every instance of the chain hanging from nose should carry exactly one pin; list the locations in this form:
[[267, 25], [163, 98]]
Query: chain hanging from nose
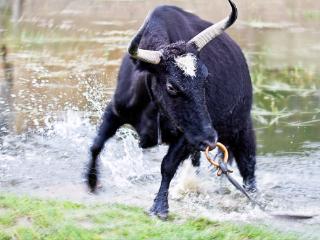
[[222, 167]]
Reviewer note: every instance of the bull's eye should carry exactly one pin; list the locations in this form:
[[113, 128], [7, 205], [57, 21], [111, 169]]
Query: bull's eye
[[171, 89]]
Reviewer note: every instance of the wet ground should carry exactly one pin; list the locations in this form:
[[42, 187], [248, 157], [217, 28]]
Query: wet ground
[[61, 71]]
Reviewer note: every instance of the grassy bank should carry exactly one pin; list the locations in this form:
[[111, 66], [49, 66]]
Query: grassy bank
[[29, 218]]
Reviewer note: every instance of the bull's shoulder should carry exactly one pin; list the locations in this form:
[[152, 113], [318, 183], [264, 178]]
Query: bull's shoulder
[[131, 93]]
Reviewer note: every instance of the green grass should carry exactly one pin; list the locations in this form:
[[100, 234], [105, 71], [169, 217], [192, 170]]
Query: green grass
[[29, 218]]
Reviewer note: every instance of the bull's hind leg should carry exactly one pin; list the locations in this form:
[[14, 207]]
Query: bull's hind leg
[[243, 147], [110, 124], [195, 159], [176, 154]]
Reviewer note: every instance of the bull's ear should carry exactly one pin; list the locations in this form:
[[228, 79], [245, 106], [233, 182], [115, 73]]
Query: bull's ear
[[207, 35]]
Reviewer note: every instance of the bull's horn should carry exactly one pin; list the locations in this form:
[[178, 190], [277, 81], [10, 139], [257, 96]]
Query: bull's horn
[[207, 35], [148, 56]]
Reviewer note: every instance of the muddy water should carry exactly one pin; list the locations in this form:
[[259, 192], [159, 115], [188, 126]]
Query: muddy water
[[65, 57]]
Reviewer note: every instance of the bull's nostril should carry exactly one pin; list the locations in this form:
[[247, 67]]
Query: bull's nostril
[[215, 139], [210, 144], [211, 140]]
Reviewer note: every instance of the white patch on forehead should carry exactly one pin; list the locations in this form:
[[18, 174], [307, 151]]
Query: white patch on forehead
[[187, 63]]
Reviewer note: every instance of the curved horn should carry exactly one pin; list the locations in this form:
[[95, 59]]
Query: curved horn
[[148, 56], [207, 35]]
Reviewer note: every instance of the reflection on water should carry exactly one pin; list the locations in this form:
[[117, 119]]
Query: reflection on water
[[66, 57]]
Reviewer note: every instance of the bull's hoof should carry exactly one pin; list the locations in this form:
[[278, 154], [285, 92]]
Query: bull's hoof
[[250, 186], [92, 180], [159, 210], [161, 215]]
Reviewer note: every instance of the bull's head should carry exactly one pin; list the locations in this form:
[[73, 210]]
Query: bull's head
[[181, 77]]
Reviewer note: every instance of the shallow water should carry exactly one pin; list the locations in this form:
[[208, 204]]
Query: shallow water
[[65, 60]]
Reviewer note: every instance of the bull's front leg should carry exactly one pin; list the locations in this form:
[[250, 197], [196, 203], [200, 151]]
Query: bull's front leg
[[110, 123], [176, 154]]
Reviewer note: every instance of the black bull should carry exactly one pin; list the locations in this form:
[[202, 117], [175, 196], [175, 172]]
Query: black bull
[[191, 92]]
